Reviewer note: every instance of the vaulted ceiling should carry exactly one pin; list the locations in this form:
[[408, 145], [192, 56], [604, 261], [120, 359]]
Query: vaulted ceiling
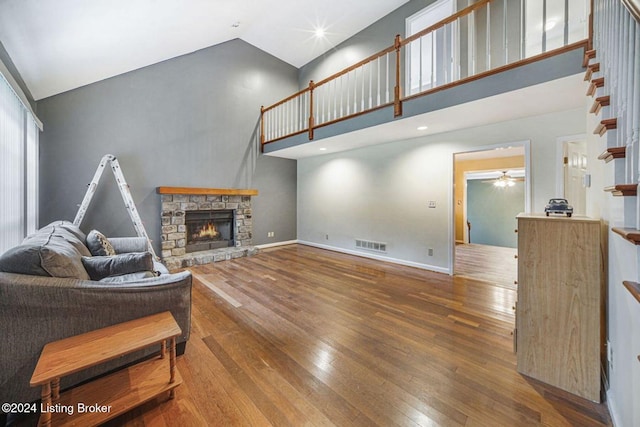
[[58, 45]]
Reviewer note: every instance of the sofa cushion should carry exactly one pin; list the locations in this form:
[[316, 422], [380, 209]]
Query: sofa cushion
[[138, 277], [54, 250], [100, 267], [98, 244], [64, 226], [23, 259]]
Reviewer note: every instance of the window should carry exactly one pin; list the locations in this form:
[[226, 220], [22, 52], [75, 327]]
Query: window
[[431, 59], [18, 168]]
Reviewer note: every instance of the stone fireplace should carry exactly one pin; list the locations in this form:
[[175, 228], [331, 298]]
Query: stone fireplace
[[205, 225]]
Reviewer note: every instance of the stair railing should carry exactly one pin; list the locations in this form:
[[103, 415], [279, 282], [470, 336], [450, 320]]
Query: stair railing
[[485, 38], [616, 50]]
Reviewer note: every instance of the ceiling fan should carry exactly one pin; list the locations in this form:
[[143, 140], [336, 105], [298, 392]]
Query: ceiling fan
[[504, 180]]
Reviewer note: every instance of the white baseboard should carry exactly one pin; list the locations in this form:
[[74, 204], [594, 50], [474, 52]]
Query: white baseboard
[[612, 411], [275, 244], [377, 257]]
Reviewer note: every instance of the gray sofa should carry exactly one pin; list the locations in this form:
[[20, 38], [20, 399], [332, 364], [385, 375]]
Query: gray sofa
[[37, 308]]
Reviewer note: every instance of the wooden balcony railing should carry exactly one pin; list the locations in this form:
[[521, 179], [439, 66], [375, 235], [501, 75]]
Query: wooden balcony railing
[[485, 38]]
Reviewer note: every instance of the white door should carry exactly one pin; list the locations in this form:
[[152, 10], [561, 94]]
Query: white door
[[575, 168]]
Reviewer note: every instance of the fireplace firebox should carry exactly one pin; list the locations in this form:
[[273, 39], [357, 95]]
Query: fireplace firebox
[[211, 229]]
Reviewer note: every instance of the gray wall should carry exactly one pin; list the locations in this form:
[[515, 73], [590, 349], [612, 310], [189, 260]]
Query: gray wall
[[190, 121], [372, 39], [381, 193], [492, 212]]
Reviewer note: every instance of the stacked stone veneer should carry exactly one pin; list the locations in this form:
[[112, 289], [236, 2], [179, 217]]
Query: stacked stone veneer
[[174, 230]]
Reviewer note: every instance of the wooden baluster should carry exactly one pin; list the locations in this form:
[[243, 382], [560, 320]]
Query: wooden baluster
[[262, 128], [311, 119], [370, 85], [378, 94], [397, 103]]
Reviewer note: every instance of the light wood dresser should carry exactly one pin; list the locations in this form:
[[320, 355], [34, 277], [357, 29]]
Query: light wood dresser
[[560, 310]]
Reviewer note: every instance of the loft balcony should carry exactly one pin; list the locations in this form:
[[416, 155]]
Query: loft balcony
[[492, 61]]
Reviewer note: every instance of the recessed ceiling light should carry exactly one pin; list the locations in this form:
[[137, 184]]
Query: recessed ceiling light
[[423, 127], [323, 149], [320, 32]]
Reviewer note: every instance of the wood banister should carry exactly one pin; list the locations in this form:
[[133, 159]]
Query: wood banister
[[467, 10], [287, 99], [397, 103], [357, 65]]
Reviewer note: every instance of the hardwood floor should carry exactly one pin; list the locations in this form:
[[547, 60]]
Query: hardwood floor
[[299, 336], [493, 264]]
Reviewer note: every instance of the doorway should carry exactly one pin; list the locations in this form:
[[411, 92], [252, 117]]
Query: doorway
[[574, 172], [491, 187]]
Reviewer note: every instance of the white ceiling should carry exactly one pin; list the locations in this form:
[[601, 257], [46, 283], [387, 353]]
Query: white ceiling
[[58, 45], [557, 95]]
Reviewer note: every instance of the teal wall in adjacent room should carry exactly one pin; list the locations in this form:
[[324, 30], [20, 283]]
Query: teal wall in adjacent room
[[492, 212]]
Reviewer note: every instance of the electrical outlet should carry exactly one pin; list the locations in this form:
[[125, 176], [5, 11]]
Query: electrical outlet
[[326, 237], [430, 251], [432, 204], [271, 234]]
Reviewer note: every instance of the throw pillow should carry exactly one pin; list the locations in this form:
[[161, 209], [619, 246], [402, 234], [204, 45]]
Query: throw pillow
[[100, 267], [99, 245]]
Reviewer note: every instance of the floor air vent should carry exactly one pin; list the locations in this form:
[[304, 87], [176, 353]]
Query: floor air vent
[[371, 246]]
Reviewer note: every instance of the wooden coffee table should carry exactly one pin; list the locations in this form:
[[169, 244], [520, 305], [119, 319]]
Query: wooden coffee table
[[107, 397]]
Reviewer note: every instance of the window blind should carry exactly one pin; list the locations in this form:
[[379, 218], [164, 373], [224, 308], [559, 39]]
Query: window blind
[[18, 168]]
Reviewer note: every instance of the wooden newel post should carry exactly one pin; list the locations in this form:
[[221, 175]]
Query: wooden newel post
[[397, 103], [262, 128], [311, 119]]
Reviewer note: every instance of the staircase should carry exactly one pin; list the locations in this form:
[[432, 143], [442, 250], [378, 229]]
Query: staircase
[[613, 71]]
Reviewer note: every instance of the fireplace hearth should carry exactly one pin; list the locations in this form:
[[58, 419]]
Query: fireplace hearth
[[210, 229]]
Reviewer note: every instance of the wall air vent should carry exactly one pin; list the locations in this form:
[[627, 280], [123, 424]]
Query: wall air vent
[[371, 246]]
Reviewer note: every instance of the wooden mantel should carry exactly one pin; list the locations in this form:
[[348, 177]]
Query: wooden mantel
[[207, 191]]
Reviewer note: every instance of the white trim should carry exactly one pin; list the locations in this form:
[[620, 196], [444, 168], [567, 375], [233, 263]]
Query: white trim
[[273, 245], [612, 411], [377, 257], [19, 93]]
